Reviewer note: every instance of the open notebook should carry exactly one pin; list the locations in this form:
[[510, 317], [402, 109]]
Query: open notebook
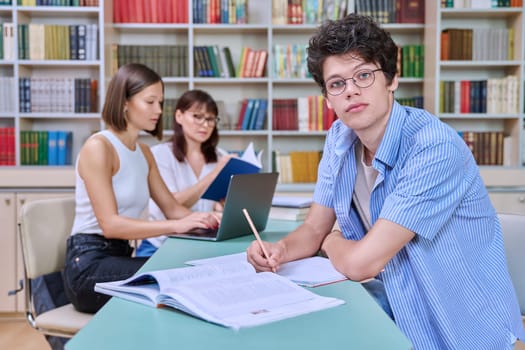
[[251, 191]]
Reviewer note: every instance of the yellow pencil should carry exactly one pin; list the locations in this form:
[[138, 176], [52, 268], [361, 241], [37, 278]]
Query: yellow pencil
[[254, 230]]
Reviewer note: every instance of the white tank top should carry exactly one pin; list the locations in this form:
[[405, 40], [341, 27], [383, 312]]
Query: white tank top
[[130, 185]]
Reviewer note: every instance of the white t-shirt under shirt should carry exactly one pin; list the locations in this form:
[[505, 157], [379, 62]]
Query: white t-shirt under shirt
[[178, 176], [364, 183]]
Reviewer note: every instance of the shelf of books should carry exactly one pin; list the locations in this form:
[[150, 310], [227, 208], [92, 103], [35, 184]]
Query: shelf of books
[[474, 76], [250, 56], [50, 69]]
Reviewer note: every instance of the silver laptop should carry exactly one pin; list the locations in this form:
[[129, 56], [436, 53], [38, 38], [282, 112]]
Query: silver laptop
[[251, 191]]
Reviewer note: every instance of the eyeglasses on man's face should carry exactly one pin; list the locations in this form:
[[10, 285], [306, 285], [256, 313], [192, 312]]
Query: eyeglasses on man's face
[[362, 79], [201, 119]]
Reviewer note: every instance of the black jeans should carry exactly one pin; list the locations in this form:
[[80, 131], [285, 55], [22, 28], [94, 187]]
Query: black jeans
[[91, 258]]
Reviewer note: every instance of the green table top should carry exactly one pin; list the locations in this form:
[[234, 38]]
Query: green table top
[[121, 324]]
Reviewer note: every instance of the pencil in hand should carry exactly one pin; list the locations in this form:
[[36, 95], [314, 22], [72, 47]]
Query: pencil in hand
[[256, 234]]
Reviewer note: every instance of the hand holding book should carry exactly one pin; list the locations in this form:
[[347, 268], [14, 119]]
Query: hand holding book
[[247, 163]]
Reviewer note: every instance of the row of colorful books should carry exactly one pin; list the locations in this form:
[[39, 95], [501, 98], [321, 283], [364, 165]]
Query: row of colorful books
[[480, 3], [289, 61], [296, 166], [7, 94], [477, 44], [77, 95], [52, 147], [494, 96], [146, 11], [305, 113], [167, 60], [488, 147], [252, 63], [392, 11], [7, 146], [39, 41], [220, 11], [308, 11], [54, 2]]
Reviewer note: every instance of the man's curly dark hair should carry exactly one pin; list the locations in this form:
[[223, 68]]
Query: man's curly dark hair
[[355, 35]]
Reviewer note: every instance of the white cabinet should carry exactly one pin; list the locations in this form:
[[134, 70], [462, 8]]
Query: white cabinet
[[9, 280], [508, 200]]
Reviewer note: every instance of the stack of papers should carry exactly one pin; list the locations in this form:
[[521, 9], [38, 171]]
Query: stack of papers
[[290, 208]]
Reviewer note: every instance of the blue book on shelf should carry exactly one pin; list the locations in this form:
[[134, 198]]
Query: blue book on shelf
[[253, 114], [248, 114], [261, 114], [64, 144], [52, 149]]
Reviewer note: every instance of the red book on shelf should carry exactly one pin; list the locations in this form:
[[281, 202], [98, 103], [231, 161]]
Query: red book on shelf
[[117, 11], [445, 44], [147, 12], [249, 62], [242, 111], [411, 11], [93, 108], [3, 146], [182, 12], [154, 9], [465, 96], [161, 11], [168, 5], [260, 63]]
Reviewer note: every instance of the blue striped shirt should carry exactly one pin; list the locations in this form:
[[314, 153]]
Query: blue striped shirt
[[449, 287]]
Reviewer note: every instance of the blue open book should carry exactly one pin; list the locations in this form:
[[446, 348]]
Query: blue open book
[[248, 163]]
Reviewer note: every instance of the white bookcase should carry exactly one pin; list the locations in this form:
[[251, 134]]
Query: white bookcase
[[438, 19], [81, 124], [258, 33]]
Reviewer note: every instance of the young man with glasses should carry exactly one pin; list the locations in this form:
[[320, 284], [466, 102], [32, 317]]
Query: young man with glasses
[[413, 213], [190, 161]]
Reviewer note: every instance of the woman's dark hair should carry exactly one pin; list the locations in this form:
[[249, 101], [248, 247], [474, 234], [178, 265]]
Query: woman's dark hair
[[130, 79], [353, 35], [189, 99]]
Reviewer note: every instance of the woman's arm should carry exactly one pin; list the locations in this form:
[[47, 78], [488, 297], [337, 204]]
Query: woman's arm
[[190, 195]]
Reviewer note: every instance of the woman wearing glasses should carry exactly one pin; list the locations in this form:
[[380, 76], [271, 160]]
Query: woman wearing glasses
[[412, 209], [190, 161], [116, 176]]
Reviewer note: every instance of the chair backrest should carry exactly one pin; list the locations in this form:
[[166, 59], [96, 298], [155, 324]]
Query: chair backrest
[[44, 228], [513, 227]]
